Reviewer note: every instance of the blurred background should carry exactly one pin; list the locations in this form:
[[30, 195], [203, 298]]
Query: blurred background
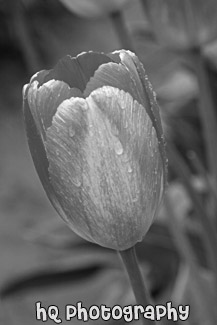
[[40, 258]]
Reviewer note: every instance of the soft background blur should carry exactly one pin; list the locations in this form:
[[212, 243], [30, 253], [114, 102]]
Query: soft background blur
[[40, 258]]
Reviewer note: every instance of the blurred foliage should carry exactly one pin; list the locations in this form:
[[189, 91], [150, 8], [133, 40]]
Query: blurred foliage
[[44, 261], [94, 8]]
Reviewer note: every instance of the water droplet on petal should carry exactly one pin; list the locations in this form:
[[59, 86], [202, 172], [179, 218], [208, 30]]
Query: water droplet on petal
[[76, 182], [129, 169], [118, 148], [162, 185], [71, 132], [136, 196], [123, 106]]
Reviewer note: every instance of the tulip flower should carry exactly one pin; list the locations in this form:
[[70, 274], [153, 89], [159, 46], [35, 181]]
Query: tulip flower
[[95, 135], [94, 8], [183, 24]]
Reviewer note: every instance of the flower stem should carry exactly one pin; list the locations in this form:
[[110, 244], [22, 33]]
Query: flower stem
[[121, 30], [207, 111], [140, 291]]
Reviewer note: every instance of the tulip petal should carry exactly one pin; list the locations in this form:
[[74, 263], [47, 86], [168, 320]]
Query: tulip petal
[[64, 147], [153, 111], [103, 156], [39, 157], [126, 59], [139, 141], [43, 101], [117, 76], [77, 71]]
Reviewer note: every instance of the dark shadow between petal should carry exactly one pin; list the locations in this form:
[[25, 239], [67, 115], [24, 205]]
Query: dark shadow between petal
[[114, 56], [76, 71]]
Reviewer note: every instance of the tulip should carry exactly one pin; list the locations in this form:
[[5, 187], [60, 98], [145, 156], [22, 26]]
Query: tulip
[[183, 24], [95, 136], [94, 8]]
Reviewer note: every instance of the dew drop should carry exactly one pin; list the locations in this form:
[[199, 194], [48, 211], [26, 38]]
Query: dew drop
[[162, 185], [129, 169], [136, 197], [118, 148], [133, 81], [71, 132], [123, 106], [76, 182], [150, 86]]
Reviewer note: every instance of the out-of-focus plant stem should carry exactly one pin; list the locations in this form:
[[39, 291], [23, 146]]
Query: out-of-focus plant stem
[[187, 254], [22, 34], [210, 236], [121, 30], [207, 110], [137, 282]]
